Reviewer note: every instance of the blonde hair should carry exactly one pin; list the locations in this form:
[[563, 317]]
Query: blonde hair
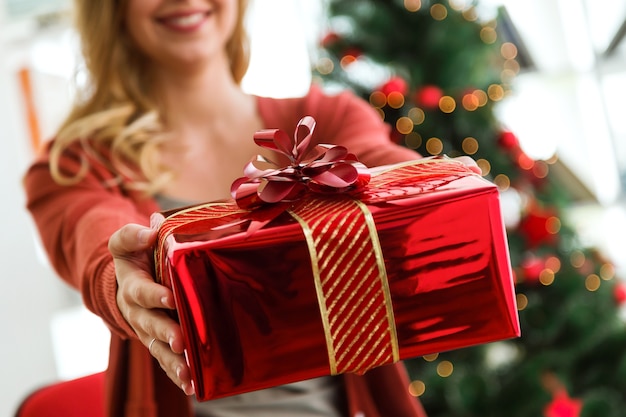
[[117, 112]]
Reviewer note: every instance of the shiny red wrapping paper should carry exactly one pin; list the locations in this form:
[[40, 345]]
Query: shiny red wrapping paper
[[247, 303]]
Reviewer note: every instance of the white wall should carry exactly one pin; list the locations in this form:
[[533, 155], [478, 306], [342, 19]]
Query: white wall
[[30, 294]]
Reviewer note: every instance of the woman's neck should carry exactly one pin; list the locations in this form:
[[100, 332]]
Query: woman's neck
[[200, 97]]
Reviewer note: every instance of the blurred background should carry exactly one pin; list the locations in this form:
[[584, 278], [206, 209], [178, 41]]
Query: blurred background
[[545, 81]]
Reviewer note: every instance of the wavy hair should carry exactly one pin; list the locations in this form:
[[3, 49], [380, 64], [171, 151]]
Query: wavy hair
[[116, 112]]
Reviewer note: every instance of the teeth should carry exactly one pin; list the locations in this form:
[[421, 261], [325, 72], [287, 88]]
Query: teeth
[[188, 20]]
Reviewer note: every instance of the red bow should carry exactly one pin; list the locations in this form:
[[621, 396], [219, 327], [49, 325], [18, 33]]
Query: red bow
[[322, 168]]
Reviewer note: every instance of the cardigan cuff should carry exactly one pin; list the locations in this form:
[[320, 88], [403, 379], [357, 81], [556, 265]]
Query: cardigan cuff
[[108, 298]]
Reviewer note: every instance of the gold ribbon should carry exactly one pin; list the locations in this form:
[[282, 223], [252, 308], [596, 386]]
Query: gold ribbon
[[351, 283]]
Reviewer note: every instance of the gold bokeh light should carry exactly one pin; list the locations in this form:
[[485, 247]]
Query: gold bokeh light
[[488, 35], [395, 100], [502, 181], [482, 97], [413, 140], [434, 146], [553, 225], [447, 104], [417, 115], [508, 50], [470, 102], [438, 11], [577, 259], [495, 92], [404, 125], [546, 277], [470, 14], [431, 358], [607, 271], [378, 99], [346, 61], [412, 5], [325, 66], [470, 145], [445, 369], [417, 388], [553, 263], [512, 65], [485, 166], [592, 282]]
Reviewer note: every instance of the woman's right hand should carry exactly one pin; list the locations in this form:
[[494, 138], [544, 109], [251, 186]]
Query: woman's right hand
[[143, 302]]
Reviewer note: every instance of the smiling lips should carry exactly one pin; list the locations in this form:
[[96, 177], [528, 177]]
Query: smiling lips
[[185, 22]]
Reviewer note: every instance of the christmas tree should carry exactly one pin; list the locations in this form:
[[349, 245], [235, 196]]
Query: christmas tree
[[436, 72]]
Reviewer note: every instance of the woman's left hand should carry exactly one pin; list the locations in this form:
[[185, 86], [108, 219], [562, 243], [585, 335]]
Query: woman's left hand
[[144, 303]]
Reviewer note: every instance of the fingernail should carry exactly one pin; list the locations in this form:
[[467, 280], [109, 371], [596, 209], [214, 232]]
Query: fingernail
[[153, 220], [179, 370], [143, 236], [188, 389], [170, 341], [156, 220], [166, 302]]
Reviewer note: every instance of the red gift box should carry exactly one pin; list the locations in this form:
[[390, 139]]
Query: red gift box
[[428, 271]]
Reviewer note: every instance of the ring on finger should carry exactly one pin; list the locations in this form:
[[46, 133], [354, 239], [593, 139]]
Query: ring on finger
[[154, 339]]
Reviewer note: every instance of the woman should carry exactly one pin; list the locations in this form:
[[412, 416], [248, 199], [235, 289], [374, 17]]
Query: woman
[[162, 123]]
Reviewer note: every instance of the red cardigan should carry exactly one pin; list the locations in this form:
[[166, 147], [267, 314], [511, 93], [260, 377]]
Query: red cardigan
[[75, 223]]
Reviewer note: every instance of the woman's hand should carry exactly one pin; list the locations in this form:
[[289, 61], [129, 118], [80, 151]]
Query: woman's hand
[[143, 302]]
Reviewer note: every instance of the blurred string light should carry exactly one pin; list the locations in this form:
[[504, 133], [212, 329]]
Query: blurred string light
[[417, 388], [447, 104], [488, 35], [522, 301], [438, 11], [434, 146], [592, 282], [413, 5], [444, 369]]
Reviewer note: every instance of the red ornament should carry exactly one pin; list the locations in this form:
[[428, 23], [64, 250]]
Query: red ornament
[[563, 406], [508, 141], [524, 161], [395, 85], [353, 52], [619, 292], [428, 97], [536, 226], [531, 269], [329, 39]]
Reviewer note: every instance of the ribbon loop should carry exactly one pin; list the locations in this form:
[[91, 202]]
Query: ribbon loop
[[322, 168]]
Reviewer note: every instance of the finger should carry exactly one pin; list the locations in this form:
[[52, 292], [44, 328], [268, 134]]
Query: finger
[[174, 366], [130, 239], [156, 324], [156, 220], [143, 291]]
